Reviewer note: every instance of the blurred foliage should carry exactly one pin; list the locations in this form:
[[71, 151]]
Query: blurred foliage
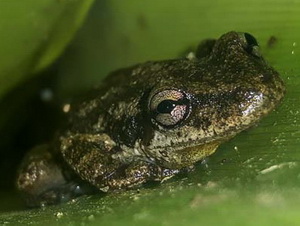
[[252, 179], [33, 33]]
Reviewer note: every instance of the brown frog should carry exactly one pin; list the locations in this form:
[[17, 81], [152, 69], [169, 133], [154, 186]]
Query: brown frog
[[153, 120]]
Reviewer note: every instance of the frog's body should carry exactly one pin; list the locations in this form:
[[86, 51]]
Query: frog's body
[[150, 121]]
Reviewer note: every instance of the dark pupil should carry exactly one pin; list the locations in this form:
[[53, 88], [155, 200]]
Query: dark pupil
[[250, 40], [166, 106]]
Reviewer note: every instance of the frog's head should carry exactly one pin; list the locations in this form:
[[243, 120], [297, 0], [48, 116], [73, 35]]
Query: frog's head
[[210, 99]]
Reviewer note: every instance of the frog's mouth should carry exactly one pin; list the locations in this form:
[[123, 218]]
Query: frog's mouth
[[188, 152]]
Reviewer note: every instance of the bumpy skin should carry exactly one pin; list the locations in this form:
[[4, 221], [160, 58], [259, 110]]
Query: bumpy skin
[[152, 120]]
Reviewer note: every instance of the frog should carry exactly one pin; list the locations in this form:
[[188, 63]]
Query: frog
[[154, 120]]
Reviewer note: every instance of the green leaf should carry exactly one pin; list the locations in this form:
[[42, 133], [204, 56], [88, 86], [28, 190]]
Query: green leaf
[[252, 179], [34, 33]]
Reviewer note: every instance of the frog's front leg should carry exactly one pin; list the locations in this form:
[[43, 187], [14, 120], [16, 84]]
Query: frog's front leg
[[93, 157], [137, 173], [42, 180]]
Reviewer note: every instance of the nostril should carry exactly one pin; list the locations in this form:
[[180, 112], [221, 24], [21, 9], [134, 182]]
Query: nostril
[[250, 45], [251, 41]]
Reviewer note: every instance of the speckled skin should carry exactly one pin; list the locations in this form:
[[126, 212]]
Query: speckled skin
[[114, 139]]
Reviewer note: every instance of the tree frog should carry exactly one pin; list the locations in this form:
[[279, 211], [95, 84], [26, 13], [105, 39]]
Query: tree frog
[[153, 120]]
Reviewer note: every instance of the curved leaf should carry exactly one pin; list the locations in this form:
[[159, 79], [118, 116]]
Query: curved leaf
[[33, 34]]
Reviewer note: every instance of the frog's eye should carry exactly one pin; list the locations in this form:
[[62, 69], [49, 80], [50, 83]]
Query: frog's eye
[[251, 45], [169, 107]]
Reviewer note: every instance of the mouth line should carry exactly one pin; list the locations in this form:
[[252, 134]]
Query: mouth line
[[213, 135], [191, 144], [219, 138]]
